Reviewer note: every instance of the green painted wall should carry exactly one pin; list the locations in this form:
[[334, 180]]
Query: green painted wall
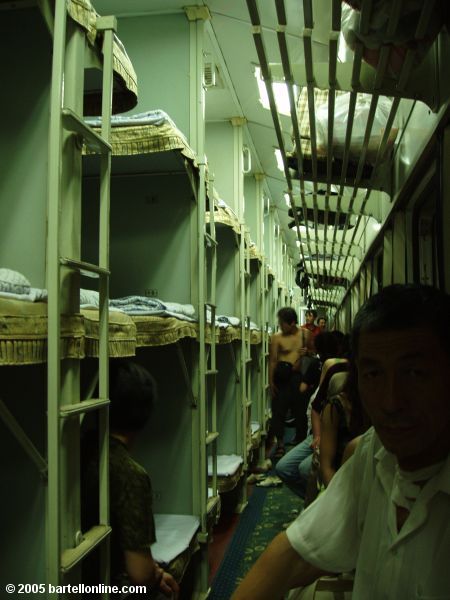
[[219, 145], [158, 47], [24, 104], [22, 503], [150, 235]]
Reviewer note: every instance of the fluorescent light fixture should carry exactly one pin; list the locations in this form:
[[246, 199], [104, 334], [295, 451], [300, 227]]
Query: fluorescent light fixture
[[280, 92], [279, 159], [287, 199], [376, 226]]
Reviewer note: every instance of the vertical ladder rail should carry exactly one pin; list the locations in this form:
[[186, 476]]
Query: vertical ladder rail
[[53, 520], [108, 25], [213, 364]]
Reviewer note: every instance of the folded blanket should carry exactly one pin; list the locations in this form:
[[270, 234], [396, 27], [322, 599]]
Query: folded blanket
[[152, 117], [13, 282], [89, 298]]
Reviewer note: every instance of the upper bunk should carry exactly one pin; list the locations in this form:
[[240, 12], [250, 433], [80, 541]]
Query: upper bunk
[[84, 16], [144, 144]]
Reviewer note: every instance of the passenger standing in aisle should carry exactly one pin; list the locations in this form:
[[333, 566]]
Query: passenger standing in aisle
[[386, 512], [322, 324], [310, 317], [287, 348]]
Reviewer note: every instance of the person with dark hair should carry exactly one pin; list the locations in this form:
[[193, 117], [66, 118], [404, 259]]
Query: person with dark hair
[[311, 316], [294, 468], [386, 512], [132, 394], [287, 348], [322, 323]]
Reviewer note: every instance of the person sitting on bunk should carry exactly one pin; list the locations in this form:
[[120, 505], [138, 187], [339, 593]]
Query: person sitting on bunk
[[311, 316], [287, 348], [294, 468], [386, 512], [132, 394]]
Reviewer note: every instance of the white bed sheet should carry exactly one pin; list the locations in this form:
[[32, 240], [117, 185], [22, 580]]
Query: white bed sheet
[[227, 464], [255, 427], [174, 533]]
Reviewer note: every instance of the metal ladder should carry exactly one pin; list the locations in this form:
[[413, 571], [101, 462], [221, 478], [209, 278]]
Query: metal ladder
[[68, 132]]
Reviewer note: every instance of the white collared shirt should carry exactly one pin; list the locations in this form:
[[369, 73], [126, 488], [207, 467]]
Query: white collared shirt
[[353, 526]]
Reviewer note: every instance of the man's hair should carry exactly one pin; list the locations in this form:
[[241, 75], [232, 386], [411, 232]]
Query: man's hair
[[132, 391], [312, 312], [327, 344], [322, 319], [399, 307], [287, 315]]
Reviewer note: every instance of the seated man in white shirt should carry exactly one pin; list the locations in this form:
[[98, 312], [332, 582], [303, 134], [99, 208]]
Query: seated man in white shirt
[[386, 512]]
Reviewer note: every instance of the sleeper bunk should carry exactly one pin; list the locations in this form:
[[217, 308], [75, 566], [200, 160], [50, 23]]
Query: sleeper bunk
[[84, 15], [230, 469], [224, 216], [255, 435], [24, 326], [176, 542]]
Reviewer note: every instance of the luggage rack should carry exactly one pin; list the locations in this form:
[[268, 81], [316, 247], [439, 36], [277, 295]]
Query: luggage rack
[[356, 78]]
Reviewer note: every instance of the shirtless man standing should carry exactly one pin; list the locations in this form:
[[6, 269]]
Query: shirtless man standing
[[286, 351]]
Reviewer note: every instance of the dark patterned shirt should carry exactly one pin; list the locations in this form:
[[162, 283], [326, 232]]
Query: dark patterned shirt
[[131, 514]]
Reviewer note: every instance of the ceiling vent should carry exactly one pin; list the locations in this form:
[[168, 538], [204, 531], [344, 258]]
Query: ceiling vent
[[211, 73]]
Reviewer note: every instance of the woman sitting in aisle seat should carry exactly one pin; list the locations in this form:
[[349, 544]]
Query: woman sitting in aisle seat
[[132, 394], [294, 468], [342, 420]]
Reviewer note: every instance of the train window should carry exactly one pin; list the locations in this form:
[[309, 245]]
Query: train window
[[426, 237]]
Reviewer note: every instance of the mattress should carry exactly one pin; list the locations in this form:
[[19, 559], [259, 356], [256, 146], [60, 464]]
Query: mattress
[[254, 253], [125, 80], [229, 471], [122, 333], [143, 134], [223, 215], [24, 330], [229, 334], [162, 331], [176, 542], [255, 429]]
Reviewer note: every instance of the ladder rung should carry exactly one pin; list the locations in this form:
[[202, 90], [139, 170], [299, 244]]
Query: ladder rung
[[266, 353], [248, 404], [85, 268], [267, 386], [209, 238], [211, 372], [248, 360], [70, 410], [92, 539], [72, 122], [211, 437], [210, 305]]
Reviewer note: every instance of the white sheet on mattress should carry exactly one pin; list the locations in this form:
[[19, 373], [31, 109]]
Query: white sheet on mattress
[[227, 464], [174, 533], [255, 427]]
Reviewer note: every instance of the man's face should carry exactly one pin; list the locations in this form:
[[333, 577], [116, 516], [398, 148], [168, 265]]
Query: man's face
[[322, 323], [286, 327], [310, 318], [401, 381]]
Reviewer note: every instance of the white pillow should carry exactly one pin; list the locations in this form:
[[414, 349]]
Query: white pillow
[[14, 282]]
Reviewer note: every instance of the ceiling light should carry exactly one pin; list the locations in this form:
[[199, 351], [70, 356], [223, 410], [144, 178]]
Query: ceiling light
[[280, 91], [376, 226], [279, 159]]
